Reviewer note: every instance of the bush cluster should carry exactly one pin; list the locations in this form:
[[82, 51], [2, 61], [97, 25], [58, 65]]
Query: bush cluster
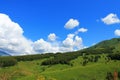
[[7, 61], [92, 58], [61, 58], [33, 57], [12, 60], [114, 56]]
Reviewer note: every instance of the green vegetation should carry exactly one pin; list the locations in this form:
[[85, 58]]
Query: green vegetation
[[33, 70], [99, 62], [7, 61], [107, 46], [114, 56], [60, 58]]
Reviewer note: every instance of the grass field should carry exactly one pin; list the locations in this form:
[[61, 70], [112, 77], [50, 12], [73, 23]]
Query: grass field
[[32, 70]]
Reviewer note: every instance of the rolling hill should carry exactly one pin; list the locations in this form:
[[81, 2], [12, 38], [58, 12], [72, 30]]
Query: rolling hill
[[106, 46], [114, 43], [93, 65]]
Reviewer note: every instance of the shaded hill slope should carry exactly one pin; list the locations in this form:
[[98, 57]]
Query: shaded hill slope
[[106, 46]]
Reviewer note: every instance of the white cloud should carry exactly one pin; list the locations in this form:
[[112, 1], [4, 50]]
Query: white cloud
[[72, 23], [72, 43], [11, 37], [117, 32], [68, 42], [14, 42], [42, 46], [71, 36], [52, 37], [111, 19], [82, 30], [78, 43]]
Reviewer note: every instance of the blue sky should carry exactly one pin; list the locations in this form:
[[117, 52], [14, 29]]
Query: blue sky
[[39, 18]]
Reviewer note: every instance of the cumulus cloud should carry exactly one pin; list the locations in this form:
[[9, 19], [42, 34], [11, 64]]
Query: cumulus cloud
[[11, 37], [52, 37], [117, 32], [70, 36], [81, 30], [72, 42], [14, 42], [111, 19], [42, 46], [68, 42], [72, 23], [78, 43]]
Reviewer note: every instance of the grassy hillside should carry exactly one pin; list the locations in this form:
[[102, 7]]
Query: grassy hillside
[[89, 64], [112, 44], [32, 70]]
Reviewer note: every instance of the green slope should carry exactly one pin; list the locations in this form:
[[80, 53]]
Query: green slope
[[106, 46], [109, 43], [31, 70]]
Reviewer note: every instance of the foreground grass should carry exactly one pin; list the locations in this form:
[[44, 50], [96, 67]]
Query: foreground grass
[[32, 70]]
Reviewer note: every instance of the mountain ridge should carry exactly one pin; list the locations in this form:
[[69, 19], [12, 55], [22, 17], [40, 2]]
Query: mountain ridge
[[111, 45]]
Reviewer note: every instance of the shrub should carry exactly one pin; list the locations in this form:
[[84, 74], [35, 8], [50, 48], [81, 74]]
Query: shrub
[[109, 76], [7, 61]]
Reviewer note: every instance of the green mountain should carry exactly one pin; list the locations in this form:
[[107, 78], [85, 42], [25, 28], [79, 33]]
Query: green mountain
[[106, 46]]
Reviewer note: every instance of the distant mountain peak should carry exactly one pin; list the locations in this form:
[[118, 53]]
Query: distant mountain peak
[[2, 53]]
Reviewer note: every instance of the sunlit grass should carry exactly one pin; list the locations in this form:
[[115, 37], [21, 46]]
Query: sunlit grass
[[32, 70]]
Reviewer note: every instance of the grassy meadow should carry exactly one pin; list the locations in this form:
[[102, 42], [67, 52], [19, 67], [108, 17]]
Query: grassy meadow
[[32, 70]]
